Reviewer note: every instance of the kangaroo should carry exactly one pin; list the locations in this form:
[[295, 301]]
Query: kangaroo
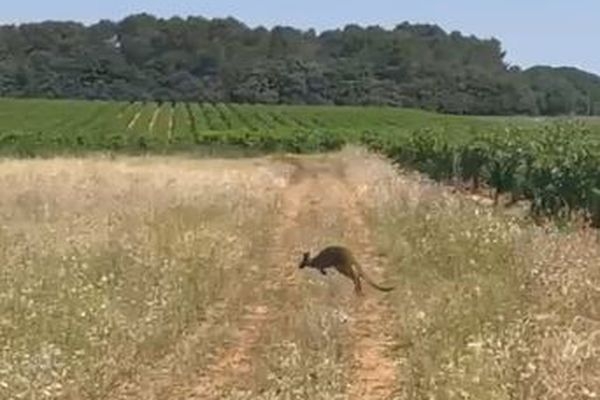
[[341, 259]]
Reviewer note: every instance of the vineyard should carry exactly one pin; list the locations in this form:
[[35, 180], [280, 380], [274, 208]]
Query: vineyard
[[32, 127], [556, 167], [177, 277], [555, 164]]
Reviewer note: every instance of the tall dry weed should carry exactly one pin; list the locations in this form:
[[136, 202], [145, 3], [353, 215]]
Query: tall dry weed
[[106, 265], [492, 307]]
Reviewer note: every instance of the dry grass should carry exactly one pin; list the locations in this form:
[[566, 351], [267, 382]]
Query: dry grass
[[124, 279], [492, 308], [107, 264]]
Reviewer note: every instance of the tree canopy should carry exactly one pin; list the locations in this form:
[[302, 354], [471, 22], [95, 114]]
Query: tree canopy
[[143, 57]]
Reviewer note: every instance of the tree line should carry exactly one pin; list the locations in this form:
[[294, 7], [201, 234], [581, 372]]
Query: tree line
[[143, 57]]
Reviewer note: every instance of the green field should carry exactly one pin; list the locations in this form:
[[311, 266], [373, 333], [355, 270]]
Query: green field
[[551, 162], [31, 127], [176, 277]]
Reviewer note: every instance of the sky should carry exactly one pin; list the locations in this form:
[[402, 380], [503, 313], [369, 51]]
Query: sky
[[532, 32]]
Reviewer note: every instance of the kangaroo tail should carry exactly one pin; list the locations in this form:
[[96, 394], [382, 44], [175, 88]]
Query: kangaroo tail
[[378, 287], [362, 273]]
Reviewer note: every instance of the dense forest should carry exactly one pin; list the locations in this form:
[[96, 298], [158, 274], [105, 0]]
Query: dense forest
[[223, 60]]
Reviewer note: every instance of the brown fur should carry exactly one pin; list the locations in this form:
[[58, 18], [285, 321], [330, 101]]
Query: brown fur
[[343, 260]]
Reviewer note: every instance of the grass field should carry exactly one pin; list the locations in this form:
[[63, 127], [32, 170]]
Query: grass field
[[169, 277], [175, 276]]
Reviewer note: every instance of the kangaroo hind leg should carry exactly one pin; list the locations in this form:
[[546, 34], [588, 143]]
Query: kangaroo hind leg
[[357, 286]]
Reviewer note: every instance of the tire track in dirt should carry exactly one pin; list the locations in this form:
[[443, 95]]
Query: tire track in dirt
[[234, 364], [321, 187], [157, 381], [167, 377], [318, 187], [373, 374], [315, 191]]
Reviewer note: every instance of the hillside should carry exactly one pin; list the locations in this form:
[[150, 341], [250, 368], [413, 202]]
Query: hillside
[[565, 90], [223, 60]]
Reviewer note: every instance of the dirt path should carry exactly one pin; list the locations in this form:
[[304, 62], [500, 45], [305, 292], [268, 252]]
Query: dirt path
[[372, 372], [234, 365], [318, 188], [158, 380], [317, 198]]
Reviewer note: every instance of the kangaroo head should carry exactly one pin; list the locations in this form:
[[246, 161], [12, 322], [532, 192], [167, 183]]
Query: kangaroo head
[[305, 260]]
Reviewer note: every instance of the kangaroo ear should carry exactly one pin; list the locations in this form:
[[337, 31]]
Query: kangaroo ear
[[306, 255]]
